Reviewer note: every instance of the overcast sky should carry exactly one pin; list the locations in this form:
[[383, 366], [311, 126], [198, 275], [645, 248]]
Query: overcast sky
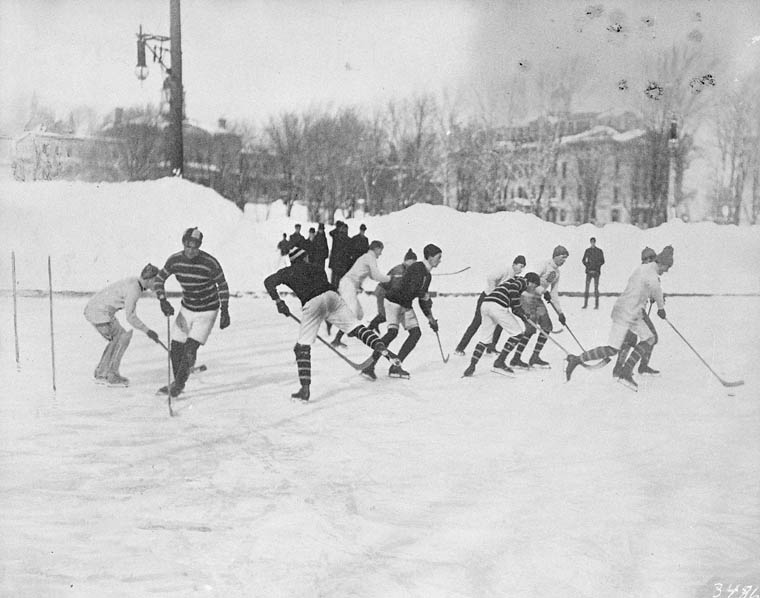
[[248, 59]]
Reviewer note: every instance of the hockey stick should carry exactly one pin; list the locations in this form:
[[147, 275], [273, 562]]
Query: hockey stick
[[594, 366], [169, 366], [445, 359], [451, 273], [357, 366], [722, 381], [566, 326]]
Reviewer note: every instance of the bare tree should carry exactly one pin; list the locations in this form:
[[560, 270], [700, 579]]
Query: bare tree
[[287, 136]]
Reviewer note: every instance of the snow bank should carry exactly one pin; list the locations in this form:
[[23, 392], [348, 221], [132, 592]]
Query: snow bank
[[97, 233]]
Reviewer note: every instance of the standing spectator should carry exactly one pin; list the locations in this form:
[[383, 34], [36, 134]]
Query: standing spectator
[[308, 243], [101, 313], [339, 253], [593, 259], [296, 238], [205, 294], [359, 245], [320, 252], [283, 246]]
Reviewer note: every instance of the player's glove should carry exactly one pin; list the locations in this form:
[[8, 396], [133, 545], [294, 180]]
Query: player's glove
[[166, 307], [661, 313], [434, 324], [282, 307], [562, 319], [153, 336], [224, 319], [547, 296]]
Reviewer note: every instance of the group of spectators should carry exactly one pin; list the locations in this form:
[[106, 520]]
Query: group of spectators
[[345, 249]]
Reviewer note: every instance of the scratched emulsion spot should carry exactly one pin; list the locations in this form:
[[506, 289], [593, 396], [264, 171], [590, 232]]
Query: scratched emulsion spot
[[695, 35], [653, 91], [697, 84], [623, 85], [615, 28], [647, 21], [523, 65], [594, 11], [697, 16]]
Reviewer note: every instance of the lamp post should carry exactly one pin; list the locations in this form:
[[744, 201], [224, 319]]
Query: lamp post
[[672, 147], [173, 82]]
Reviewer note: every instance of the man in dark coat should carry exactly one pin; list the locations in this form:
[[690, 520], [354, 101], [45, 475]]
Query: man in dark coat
[[359, 245], [339, 254], [593, 259], [320, 250]]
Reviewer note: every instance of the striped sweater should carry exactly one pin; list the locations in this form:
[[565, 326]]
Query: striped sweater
[[507, 294], [202, 280]]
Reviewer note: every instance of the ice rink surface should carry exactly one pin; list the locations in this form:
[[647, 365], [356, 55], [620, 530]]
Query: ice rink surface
[[436, 486]]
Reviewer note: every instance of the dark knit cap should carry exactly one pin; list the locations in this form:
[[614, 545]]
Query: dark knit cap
[[560, 250], [149, 271], [665, 257], [410, 255], [430, 250], [648, 254], [520, 259]]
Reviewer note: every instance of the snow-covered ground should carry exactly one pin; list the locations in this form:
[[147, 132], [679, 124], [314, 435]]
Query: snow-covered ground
[[436, 486]]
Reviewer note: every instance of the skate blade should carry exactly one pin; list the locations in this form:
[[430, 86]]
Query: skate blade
[[627, 384], [400, 376], [540, 367], [503, 373]]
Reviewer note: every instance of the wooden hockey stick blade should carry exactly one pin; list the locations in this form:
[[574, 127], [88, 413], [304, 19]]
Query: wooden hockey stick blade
[[357, 366], [451, 273], [731, 384]]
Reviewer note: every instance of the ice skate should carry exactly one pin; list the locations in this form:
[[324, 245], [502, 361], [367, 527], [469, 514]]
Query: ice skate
[[645, 369], [573, 361], [396, 371], [516, 362], [302, 394], [469, 371], [537, 362], [503, 369], [114, 379], [627, 380]]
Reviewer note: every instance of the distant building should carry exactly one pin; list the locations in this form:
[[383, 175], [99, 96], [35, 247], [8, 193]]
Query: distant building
[[575, 168], [131, 149]]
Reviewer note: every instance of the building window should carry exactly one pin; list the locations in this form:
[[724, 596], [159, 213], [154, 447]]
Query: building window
[[615, 215], [564, 170], [563, 190], [617, 166], [562, 215], [615, 196]]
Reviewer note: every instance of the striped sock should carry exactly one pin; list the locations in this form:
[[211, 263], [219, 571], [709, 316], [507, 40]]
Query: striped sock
[[303, 362]]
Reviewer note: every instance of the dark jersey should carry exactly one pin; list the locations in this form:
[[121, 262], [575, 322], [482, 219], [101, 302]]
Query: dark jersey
[[304, 279], [414, 285], [593, 259], [202, 280], [396, 273], [508, 293]]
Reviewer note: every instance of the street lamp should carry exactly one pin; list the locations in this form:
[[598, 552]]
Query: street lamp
[[172, 84], [672, 147]]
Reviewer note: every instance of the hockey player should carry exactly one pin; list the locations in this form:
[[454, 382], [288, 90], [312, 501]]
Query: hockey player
[[493, 280], [648, 255], [399, 311], [627, 315], [396, 274], [100, 311], [320, 302], [502, 307], [536, 310], [204, 295], [351, 284]]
